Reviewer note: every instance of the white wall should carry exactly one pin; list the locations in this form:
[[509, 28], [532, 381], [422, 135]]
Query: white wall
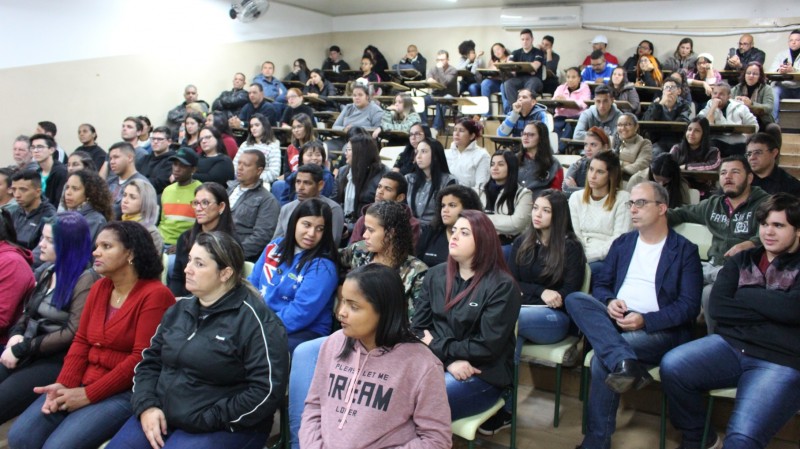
[[100, 61]]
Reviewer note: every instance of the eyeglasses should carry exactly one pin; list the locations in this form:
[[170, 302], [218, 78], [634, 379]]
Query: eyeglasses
[[670, 87], [202, 137], [640, 203], [529, 135], [203, 204], [417, 134], [752, 74], [756, 153], [642, 47], [39, 147], [625, 125]]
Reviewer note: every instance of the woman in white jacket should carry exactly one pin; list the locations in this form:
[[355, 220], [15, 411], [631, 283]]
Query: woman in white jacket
[[507, 203]]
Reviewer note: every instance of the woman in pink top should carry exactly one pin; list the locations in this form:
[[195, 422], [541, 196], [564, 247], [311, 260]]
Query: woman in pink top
[[375, 384], [573, 90]]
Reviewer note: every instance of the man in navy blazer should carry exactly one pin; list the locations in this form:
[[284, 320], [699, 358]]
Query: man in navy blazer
[[643, 303]]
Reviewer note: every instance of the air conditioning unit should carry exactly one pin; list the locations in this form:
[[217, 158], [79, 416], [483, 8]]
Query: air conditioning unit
[[545, 17]]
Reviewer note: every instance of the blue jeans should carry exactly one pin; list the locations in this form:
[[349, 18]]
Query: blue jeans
[[87, 427], [490, 86], [131, 436], [304, 361], [469, 397], [542, 325], [438, 119], [610, 348], [768, 394], [563, 130]]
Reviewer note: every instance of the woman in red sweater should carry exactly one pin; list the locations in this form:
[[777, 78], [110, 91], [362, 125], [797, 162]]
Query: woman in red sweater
[[92, 397]]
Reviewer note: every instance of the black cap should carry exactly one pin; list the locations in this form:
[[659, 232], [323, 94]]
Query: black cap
[[185, 156]]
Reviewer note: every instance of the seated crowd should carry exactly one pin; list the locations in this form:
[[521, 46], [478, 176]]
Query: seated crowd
[[154, 295]]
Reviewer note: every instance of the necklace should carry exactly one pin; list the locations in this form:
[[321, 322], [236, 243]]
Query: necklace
[[120, 298]]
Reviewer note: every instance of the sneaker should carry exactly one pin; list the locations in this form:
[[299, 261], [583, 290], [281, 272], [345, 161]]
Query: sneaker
[[501, 420]]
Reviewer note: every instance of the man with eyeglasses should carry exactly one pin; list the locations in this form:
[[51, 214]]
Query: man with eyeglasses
[[746, 54], [763, 153], [156, 166], [643, 304], [670, 107], [599, 70], [53, 173], [523, 111], [729, 217]]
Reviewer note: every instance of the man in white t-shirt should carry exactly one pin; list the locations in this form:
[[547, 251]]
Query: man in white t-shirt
[[644, 302]]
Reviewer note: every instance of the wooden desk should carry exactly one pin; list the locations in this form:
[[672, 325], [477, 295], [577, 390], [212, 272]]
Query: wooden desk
[[775, 76], [567, 159], [294, 83], [464, 73], [524, 67], [280, 130], [670, 127], [409, 73], [391, 85], [344, 99], [454, 101], [384, 99], [489, 73], [731, 76], [331, 133], [701, 175], [621, 104], [313, 100], [510, 143], [552, 104], [735, 129], [352, 74], [394, 135], [344, 74], [425, 85], [326, 115]]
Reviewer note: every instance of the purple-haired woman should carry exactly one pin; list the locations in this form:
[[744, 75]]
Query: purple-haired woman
[[41, 337]]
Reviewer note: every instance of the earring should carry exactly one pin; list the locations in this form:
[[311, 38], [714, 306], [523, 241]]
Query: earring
[[130, 261]]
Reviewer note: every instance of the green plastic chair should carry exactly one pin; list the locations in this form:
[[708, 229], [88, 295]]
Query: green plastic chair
[[729, 393], [467, 427]]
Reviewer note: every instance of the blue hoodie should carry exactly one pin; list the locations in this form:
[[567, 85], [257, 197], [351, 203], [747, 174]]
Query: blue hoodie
[[514, 123], [302, 299]]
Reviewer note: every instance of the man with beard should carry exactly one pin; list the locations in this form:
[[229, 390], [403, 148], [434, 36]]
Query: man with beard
[[730, 216]]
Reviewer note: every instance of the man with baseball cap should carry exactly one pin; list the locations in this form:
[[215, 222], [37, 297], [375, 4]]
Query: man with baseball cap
[[600, 42]]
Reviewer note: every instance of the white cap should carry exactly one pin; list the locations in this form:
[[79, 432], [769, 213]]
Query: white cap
[[599, 39], [706, 56]]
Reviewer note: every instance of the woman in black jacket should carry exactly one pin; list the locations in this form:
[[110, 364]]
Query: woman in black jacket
[[215, 371], [466, 315], [41, 337], [359, 180]]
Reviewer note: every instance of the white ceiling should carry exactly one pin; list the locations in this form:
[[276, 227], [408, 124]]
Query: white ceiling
[[353, 7]]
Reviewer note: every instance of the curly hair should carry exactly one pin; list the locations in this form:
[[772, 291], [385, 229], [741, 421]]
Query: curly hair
[[398, 240], [134, 237], [96, 192], [469, 200]]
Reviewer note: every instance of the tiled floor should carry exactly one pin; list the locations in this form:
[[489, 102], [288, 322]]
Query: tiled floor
[[535, 431]]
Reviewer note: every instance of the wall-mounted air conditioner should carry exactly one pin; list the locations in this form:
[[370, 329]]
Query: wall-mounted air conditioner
[[544, 17]]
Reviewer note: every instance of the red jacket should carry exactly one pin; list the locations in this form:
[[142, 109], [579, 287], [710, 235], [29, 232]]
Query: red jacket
[[103, 355], [16, 282]]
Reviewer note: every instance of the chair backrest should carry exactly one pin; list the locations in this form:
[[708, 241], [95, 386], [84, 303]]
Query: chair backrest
[[694, 196], [389, 155], [587, 280], [419, 104], [248, 269], [481, 106], [165, 262], [697, 234]]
